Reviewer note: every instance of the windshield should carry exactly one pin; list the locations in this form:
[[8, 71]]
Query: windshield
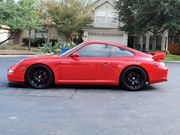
[[65, 53]]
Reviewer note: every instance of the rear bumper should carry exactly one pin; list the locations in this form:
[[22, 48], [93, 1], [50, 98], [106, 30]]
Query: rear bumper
[[159, 75]]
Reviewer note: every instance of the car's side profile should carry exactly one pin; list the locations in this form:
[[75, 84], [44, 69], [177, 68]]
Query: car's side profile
[[93, 62]]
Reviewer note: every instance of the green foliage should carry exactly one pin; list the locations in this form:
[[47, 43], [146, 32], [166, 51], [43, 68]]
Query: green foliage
[[156, 16], [31, 18], [19, 15], [69, 16], [56, 48]]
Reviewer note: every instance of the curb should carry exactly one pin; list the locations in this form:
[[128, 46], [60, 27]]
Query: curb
[[7, 56], [177, 62]]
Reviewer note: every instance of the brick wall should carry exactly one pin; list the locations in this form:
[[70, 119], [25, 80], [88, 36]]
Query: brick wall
[[174, 48]]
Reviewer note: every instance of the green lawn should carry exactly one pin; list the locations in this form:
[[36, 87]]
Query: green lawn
[[170, 57]]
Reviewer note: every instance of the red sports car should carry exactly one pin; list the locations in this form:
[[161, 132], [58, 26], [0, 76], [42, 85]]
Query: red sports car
[[93, 62]]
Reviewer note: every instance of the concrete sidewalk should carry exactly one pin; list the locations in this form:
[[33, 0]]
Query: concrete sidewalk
[[18, 52]]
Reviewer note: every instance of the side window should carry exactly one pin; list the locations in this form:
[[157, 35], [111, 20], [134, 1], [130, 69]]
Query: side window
[[95, 50], [120, 52]]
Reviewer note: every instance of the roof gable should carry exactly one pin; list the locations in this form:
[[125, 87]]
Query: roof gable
[[99, 3]]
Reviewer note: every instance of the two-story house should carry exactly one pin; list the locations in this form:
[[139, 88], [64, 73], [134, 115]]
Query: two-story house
[[105, 24], [106, 27]]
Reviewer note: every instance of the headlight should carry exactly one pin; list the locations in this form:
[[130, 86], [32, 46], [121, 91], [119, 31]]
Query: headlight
[[11, 71]]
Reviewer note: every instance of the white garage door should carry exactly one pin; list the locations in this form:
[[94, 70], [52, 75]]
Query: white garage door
[[116, 39]]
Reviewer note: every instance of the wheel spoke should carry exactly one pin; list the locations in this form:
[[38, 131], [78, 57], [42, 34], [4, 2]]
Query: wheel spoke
[[39, 76], [134, 80]]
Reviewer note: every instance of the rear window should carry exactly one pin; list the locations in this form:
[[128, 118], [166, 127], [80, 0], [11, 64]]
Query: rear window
[[120, 52]]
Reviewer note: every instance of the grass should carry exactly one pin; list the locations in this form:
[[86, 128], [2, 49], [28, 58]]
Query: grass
[[19, 47], [170, 57]]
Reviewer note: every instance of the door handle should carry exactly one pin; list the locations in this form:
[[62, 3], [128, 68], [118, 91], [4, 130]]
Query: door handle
[[106, 63], [65, 62]]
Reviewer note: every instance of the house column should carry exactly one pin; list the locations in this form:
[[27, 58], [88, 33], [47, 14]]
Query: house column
[[147, 42], [164, 43], [125, 42], [141, 42], [85, 38]]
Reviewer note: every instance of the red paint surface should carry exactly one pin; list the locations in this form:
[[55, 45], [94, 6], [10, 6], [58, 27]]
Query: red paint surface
[[91, 70]]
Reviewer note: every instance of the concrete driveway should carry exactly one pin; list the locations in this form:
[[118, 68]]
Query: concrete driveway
[[89, 110]]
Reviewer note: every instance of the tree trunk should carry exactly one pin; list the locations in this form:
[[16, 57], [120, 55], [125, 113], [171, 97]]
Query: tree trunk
[[154, 44], [48, 36], [29, 43], [17, 37]]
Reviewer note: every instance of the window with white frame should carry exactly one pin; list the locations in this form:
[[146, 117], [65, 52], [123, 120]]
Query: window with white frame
[[106, 17], [100, 17]]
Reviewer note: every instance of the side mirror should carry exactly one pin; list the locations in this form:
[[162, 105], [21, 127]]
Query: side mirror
[[75, 54]]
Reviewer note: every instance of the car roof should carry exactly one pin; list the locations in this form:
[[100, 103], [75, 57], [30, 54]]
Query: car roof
[[103, 42], [138, 53]]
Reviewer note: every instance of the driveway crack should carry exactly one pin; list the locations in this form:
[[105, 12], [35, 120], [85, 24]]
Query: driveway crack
[[73, 94]]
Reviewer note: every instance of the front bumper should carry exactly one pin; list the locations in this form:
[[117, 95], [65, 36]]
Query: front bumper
[[16, 74]]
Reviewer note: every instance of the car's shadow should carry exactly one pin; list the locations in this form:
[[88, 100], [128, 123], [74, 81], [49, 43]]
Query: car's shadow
[[80, 87]]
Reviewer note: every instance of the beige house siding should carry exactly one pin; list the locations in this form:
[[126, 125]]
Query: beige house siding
[[107, 10], [53, 34]]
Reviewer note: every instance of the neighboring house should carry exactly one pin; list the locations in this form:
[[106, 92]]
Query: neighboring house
[[106, 27], [52, 34], [20, 35]]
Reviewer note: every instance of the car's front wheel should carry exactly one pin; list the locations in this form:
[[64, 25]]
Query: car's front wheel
[[39, 76], [133, 78]]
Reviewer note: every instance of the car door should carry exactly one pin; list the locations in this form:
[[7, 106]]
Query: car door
[[92, 66]]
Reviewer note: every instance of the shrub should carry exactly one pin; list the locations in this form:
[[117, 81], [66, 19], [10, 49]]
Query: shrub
[[35, 42], [55, 47]]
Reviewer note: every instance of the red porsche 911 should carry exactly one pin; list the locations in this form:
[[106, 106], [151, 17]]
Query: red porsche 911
[[93, 62]]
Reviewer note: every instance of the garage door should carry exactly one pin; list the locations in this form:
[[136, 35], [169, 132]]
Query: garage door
[[117, 39]]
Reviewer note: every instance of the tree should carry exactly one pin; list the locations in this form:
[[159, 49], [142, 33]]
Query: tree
[[46, 19], [156, 16], [69, 16], [8, 17], [31, 18], [18, 16]]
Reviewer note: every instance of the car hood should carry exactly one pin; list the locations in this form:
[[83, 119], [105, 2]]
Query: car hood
[[46, 56], [40, 58]]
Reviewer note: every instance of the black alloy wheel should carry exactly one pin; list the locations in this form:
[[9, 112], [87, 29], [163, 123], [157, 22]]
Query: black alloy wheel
[[39, 76], [133, 78]]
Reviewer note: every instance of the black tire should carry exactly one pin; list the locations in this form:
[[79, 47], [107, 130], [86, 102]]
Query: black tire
[[39, 76], [133, 78]]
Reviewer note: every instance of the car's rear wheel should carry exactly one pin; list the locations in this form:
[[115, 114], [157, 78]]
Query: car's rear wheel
[[39, 76], [133, 78]]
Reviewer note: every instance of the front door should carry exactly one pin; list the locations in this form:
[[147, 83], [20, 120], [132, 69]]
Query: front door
[[92, 66]]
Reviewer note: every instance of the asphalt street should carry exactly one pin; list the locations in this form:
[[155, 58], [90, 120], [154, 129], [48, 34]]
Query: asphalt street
[[89, 110]]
